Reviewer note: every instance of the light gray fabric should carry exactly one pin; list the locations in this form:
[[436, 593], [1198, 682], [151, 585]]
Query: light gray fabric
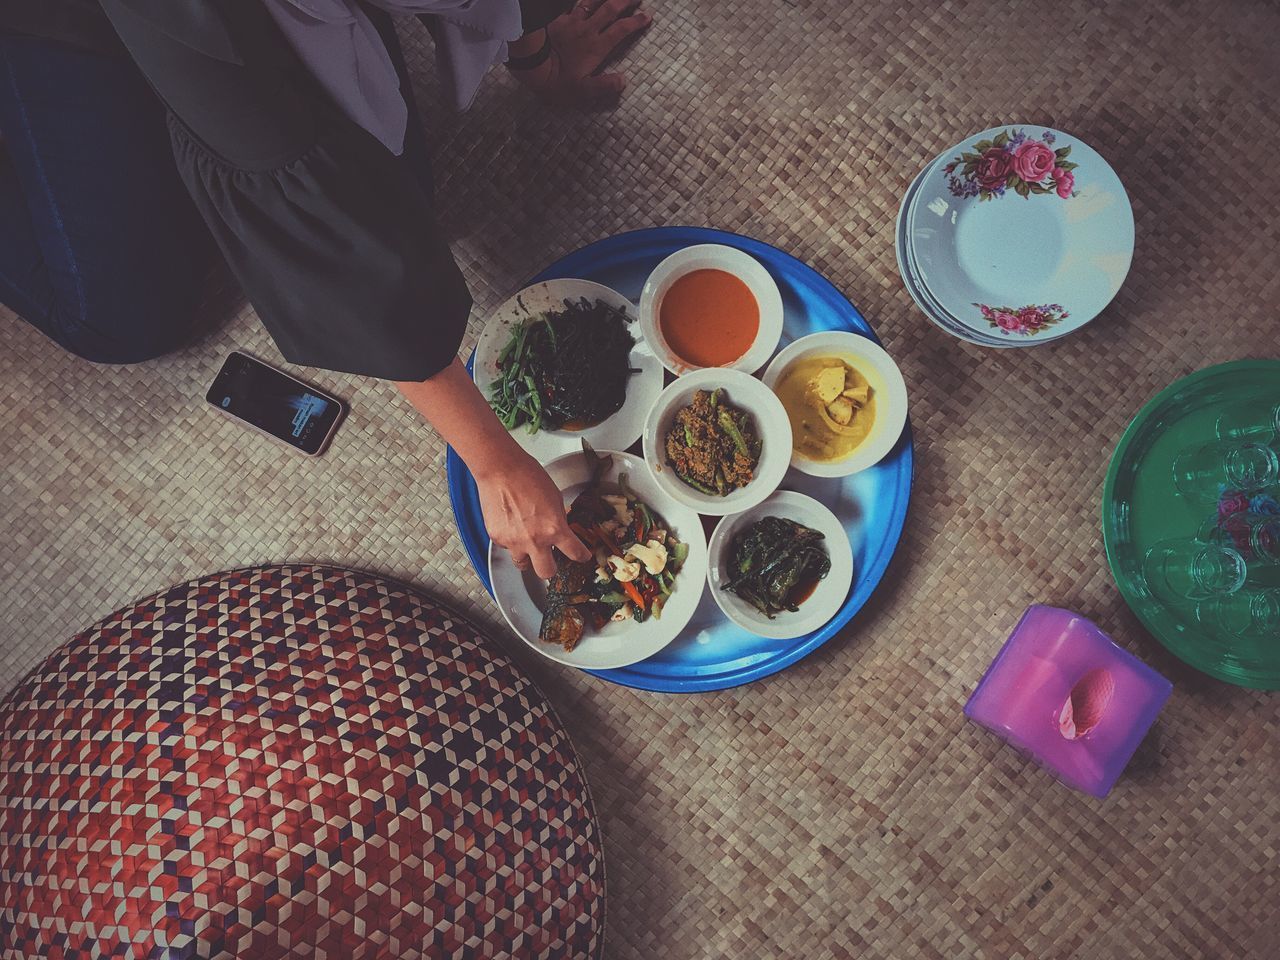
[[342, 48]]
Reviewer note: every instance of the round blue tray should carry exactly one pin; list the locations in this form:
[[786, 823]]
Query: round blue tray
[[713, 653]]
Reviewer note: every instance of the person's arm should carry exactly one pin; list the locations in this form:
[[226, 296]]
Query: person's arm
[[523, 510]]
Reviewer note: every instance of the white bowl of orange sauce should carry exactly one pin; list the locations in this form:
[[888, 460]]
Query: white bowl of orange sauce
[[709, 305]]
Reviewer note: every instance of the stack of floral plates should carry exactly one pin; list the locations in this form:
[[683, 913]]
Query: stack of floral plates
[[1016, 236]]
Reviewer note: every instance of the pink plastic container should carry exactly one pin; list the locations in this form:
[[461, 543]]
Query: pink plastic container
[[1062, 691]]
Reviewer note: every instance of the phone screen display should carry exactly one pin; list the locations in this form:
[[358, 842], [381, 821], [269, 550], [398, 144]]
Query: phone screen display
[[299, 415]]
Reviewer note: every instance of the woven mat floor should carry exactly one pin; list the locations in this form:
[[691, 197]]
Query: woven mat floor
[[843, 808]]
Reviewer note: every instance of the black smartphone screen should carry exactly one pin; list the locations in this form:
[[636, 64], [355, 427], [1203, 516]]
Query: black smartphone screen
[[286, 408]]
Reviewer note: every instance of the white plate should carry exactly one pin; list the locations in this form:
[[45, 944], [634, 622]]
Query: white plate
[[519, 594], [744, 392], [1025, 270], [618, 431], [827, 598], [713, 256], [890, 390]]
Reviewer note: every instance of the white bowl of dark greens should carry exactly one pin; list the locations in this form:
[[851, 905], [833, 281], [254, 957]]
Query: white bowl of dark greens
[[781, 569], [564, 361]]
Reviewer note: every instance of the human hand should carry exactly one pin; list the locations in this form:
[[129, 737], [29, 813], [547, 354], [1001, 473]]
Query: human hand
[[580, 42], [524, 512]]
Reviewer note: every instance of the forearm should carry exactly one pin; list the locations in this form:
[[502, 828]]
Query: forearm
[[453, 405], [523, 510]]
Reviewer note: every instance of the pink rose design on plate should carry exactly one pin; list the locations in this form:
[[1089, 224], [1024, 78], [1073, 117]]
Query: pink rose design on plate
[[1028, 320], [1006, 320], [993, 168], [1011, 161], [1064, 180], [1033, 161]]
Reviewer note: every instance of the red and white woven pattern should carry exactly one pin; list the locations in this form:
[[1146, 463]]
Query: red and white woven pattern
[[290, 761]]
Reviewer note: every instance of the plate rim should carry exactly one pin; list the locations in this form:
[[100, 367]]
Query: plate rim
[[909, 281], [1110, 534], [462, 498]]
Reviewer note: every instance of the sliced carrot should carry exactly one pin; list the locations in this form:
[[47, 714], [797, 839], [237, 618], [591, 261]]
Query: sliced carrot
[[636, 597]]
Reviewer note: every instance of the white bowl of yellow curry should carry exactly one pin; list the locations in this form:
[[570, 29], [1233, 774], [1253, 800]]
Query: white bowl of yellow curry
[[845, 398]]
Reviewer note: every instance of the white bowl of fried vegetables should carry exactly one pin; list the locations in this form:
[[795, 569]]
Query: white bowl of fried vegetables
[[717, 441], [781, 569], [564, 360], [639, 590]]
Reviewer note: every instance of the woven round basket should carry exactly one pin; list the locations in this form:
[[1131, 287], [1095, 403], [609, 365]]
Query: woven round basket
[[291, 761]]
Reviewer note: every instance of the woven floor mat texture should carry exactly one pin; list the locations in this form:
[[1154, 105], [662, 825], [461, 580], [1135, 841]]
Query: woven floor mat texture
[[842, 808]]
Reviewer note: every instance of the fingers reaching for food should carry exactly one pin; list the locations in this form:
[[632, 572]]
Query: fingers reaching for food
[[524, 512]]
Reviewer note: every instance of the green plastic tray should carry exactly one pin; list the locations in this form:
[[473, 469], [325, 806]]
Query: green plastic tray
[[1141, 507]]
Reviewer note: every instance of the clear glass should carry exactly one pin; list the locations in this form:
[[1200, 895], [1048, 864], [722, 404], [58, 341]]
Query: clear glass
[[1188, 569], [1255, 421], [1264, 539], [1247, 613], [1216, 529], [1206, 473]]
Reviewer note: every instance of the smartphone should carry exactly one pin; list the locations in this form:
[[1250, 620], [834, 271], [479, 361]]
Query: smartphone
[[276, 404]]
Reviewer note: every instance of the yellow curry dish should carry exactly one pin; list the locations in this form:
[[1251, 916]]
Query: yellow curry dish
[[831, 405]]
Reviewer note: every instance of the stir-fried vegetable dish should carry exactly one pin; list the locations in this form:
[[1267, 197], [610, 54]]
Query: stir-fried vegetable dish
[[712, 445], [633, 570], [564, 368], [775, 564]]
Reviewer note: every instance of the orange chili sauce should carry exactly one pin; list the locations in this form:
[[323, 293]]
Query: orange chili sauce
[[709, 318]]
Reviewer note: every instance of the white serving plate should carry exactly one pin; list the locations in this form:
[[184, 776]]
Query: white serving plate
[[713, 256], [618, 431], [520, 594], [1042, 265], [889, 389]]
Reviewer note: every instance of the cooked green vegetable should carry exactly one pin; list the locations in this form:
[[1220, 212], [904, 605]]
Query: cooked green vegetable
[[564, 367], [775, 563], [712, 445]]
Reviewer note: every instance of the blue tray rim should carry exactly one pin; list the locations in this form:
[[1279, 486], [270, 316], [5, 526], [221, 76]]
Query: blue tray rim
[[463, 499]]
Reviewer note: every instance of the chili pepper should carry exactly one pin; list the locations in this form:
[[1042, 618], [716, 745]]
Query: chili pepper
[[697, 485], [728, 425]]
